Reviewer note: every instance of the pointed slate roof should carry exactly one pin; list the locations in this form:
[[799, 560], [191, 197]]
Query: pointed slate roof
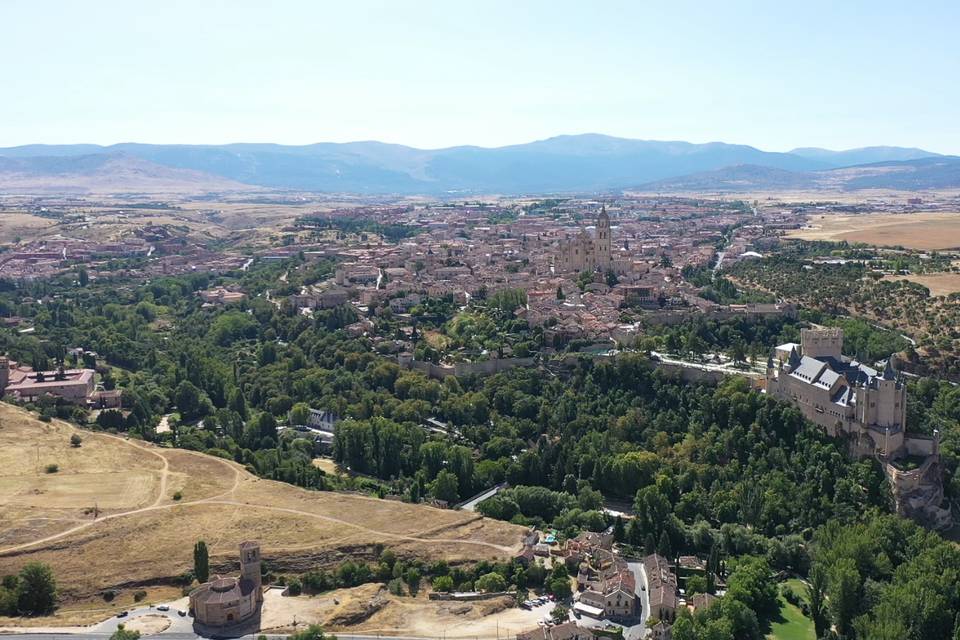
[[888, 372], [794, 360]]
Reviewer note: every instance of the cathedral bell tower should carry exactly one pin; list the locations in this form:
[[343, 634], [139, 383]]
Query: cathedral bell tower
[[603, 239]]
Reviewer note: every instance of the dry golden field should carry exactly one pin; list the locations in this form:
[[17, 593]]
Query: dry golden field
[[23, 225], [924, 231], [939, 284], [143, 536]]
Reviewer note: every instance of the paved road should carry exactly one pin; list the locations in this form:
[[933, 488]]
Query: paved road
[[720, 256], [725, 368], [471, 505], [178, 623], [640, 630]]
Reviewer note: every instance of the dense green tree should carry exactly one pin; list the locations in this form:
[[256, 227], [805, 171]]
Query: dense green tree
[[843, 594], [36, 589], [201, 561], [445, 487], [752, 584], [490, 582]]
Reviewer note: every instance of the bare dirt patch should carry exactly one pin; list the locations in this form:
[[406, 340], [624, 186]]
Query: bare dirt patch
[[149, 624], [370, 610], [328, 466], [923, 231]]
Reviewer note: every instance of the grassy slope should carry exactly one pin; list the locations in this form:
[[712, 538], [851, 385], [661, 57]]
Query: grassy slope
[[791, 624]]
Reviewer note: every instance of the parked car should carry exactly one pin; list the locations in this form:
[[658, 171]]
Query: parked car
[[163, 607], [181, 612], [123, 614]]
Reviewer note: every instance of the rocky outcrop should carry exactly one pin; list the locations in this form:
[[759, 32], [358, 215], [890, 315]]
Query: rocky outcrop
[[918, 493]]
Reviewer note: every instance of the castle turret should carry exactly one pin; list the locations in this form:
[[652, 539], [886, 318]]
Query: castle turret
[[822, 343]]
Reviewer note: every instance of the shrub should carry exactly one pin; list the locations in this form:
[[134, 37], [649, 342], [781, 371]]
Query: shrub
[[52, 468], [395, 587], [75, 441], [139, 595], [443, 584], [177, 495], [491, 582], [294, 587]]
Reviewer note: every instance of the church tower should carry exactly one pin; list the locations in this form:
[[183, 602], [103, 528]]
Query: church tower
[[603, 239], [250, 564]]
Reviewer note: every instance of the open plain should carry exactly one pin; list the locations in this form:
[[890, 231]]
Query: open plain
[[923, 231]]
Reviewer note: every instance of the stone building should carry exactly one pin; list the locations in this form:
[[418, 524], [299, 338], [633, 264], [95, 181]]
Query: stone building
[[585, 253], [866, 408], [843, 396], [70, 385], [663, 588], [224, 602]]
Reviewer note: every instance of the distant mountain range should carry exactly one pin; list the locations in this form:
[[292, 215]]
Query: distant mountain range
[[578, 163], [938, 172], [104, 173]]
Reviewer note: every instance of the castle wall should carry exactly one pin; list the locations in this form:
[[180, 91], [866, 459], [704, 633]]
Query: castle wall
[[814, 403], [920, 445]]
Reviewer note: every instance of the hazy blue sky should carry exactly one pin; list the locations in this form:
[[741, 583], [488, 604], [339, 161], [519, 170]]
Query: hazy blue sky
[[836, 74]]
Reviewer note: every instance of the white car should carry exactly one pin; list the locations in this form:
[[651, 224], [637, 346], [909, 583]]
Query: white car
[[163, 607]]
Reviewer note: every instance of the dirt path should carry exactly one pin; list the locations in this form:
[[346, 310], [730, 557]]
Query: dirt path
[[398, 536], [307, 514], [156, 505], [219, 500]]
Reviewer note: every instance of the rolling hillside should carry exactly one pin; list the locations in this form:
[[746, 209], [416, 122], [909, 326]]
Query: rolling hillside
[[123, 512]]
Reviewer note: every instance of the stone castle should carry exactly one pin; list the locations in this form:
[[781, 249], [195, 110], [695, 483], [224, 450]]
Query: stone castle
[[868, 409]]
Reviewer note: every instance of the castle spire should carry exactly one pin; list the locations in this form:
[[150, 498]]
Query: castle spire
[[794, 360], [888, 372]]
